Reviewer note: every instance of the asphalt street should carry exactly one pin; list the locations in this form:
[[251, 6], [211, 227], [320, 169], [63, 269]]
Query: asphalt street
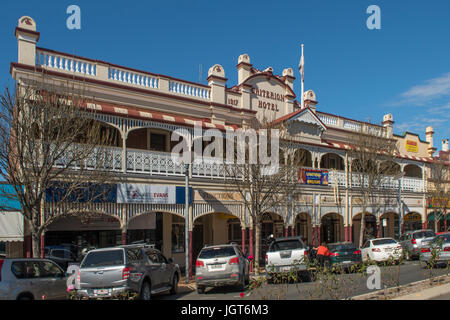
[[341, 286]]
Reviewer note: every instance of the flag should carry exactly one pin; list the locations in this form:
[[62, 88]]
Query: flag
[[301, 66]]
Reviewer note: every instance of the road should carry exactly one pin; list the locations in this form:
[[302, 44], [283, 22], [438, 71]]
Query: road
[[337, 287]]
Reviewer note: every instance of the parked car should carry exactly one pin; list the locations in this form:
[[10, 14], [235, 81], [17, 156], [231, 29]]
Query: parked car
[[60, 256], [140, 269], [441, 246], [221, 265], [381, 249], [31, 279], [344, 255], [413, 241], [285, 255]]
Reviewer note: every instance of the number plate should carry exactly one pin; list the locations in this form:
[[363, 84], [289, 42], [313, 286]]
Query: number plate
[[347, 262], [102, 291], [388, 249], [216, 266], [285, 269]]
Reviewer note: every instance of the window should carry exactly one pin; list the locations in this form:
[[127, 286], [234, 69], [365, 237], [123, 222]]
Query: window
[[58, 253], [157, 142], [49, 270], [286, 245], [162, 259], [152, 256], [178, 234], [366, 245], [134, 255], [103, 258], [383, 241], [217, 252]]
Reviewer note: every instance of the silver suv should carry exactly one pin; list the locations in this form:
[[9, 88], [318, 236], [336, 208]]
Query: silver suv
[[221, 265], [413, 241], [141, 269], [31, 279]]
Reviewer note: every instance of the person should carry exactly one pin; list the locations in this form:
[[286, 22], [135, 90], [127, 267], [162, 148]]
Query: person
[[322, 254]]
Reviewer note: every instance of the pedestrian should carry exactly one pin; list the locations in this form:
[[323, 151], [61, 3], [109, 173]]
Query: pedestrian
[[322, 254]]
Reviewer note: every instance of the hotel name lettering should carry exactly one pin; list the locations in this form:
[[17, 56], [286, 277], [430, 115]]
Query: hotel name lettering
[[272, 96]]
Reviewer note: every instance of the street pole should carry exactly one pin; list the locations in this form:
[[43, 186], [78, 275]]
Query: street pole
[[400, 207], [186, 216]]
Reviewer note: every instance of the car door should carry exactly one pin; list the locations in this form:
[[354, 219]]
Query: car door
[[154, 268], [55, 280], [166, 271]]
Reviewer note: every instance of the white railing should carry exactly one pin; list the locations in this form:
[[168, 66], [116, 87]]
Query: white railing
[[189, 89], [151, 162], [351, 125], [62, 62], [328, 119], [134, 78], [101, 158], [336, 177]]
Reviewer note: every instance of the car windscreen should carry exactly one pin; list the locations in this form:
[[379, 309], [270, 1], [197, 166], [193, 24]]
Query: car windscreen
[[444, 238], [103, 258], [424, 234], [217, 252], [286, 245], [383, 241]]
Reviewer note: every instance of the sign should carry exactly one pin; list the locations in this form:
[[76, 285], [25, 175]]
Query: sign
[[411, 146], [413, 217], [311, 176], [438, 202], [146, 193], [202, 195]]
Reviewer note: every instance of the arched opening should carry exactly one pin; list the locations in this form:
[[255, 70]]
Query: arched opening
[[302, 227], [413, 171], [215, 228], [389, 168], [412, 221], [272, 224], [302, 158], [332, 228], [332, 161], [389, 225], [370, 228], [84, 230]]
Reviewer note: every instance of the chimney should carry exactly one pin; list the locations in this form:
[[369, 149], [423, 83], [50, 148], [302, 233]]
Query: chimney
[[27, 37], [445, 145], [310, 100], [388, 123], [288, 74], [429, 137]]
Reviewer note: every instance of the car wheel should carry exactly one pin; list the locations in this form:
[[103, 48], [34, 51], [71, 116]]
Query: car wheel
[[146, 291], [174, 288], [200, 290]]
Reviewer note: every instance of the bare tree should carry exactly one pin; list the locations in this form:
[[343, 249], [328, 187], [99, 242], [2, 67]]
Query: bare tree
[[439, 189], [51, 151], [264, 187], [372, 168]]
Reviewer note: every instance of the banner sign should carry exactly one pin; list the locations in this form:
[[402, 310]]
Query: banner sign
[[145, 193], [411, 146], [438, 202], [311, 176]]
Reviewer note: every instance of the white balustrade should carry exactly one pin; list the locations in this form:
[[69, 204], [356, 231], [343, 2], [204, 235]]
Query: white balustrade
[[189, 89], [63, 62], [133, 78], [351, 125], [328, 119], [336, 177]]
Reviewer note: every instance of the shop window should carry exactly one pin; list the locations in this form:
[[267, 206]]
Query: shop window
[[178, 235], [158, 142], [2, 249], [234, 231]]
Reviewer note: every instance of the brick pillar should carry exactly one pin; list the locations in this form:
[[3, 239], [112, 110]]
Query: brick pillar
[[286, 231], [243, 241], [124, 237], [350, 234], [346, 233], [318, 235], [379, 226], [293, 231]]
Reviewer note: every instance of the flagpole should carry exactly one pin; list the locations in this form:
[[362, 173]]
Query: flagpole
[[302, 78]]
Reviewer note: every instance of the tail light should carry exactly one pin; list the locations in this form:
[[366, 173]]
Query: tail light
[[306, 253], [267, 259], [445, 249], [1, 265], [79, 276], [126, 273], [199, 263], [413, 241], [334, 254], [425, 250], [234, 261], [357, 252], [399, 247], [376, 250]]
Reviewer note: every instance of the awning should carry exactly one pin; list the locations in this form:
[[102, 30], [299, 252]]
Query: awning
[[441, 217], [11, 226]]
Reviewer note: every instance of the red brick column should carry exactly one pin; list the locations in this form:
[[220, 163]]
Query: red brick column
[[42, 245]]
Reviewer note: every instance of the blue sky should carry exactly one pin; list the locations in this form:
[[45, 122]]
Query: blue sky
[[403, 68]]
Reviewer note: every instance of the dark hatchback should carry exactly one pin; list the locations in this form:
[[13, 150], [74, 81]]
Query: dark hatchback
[[344, 255]]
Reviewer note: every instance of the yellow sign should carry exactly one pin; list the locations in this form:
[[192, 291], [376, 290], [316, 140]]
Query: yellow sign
[[411, 146]]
